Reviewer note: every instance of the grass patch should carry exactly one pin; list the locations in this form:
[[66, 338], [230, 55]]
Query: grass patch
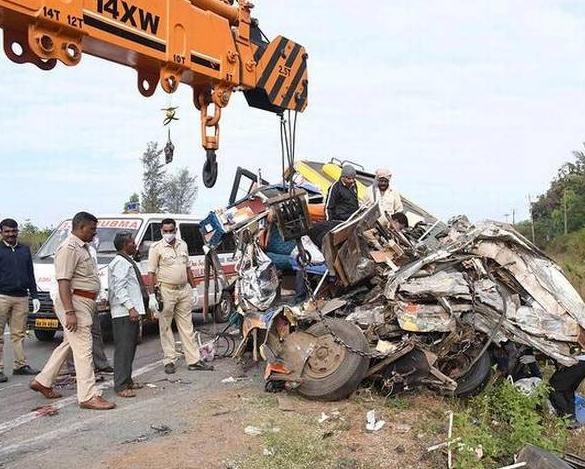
[[499, 422], [397, 403]]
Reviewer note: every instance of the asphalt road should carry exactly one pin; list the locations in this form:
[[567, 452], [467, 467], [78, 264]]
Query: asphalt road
[[80, 438]]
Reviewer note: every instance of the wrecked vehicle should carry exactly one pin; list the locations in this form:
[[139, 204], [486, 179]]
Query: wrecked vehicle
[[415, 308]]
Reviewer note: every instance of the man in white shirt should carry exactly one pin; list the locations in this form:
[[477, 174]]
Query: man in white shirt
[[387, 197], [128, 298]]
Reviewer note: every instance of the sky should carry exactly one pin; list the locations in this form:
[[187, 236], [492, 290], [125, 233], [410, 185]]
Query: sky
[[473, 106]]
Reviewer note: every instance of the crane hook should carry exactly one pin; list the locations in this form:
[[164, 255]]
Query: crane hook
[[210, 169]]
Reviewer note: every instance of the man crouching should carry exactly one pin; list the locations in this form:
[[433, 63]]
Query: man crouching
[[127, 295]]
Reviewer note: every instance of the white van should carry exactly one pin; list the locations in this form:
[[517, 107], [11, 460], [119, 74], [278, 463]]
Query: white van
[[146, 229]]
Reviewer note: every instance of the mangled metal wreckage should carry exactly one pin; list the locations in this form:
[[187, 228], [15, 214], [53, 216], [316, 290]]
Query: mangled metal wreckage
[[412, 309]]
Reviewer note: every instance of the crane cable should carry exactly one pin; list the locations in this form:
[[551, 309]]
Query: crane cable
[[288, 135]]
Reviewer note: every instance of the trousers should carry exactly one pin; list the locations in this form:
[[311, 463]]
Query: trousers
[[100, 359], [78, 342], [177, 305], [125, 342], [564, 383], [14, 311]]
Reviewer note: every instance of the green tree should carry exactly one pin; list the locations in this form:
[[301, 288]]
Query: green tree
[[154, 179], [33, 236], [181, 191]]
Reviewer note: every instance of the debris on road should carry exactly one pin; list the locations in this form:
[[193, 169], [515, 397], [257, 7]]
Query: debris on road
[[161, 429], [231, 379], [158, 430], [46, 410], [373, 425]]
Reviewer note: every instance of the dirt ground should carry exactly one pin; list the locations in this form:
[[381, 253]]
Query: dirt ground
[[295, 439]]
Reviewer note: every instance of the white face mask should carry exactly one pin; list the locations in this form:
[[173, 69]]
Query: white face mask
[[169, 237]]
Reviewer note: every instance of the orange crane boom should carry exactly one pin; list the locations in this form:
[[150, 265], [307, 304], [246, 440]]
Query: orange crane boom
[[211, 45]]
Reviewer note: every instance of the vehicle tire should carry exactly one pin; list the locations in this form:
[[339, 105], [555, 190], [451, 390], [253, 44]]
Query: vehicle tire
[[476, 379], [223, 310], [45, 336], [332, 372]]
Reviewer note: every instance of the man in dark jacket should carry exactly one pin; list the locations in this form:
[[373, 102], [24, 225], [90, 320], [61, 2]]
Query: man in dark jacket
[[342, 198], [17, 281]]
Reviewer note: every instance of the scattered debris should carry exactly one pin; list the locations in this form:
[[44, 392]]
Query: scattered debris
[[538, 458], [151, 385], [401, 427], [253, 431], [268, 451], [161, 429], [373, 425], [231, 379], [324, 417], [46, 410]]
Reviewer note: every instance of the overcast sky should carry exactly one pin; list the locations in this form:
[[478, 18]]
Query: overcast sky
[[471, 104]]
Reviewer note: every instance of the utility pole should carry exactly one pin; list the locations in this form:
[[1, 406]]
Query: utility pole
[[531, 218], [513, 216]]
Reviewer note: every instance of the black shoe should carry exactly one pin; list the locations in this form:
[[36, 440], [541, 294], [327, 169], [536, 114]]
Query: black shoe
[[25, 370], [108, 370], [170, 368], [200, 366], [3, 377]]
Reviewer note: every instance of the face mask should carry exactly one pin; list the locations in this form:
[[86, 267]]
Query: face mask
[[168, 237]]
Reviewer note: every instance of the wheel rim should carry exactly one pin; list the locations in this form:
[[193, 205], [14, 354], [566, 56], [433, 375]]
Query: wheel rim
[[325, 359]]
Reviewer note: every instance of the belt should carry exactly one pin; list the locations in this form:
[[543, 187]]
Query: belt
[[171, 286], [86, 294]]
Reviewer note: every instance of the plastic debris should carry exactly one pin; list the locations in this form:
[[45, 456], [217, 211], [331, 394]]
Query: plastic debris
[[268, 451], [373, 425], [253, 431], [323, 417]]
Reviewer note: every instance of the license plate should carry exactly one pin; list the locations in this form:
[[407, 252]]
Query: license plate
[[47, 323]]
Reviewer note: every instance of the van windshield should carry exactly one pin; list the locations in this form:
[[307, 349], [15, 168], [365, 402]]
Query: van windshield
[[103, 241]]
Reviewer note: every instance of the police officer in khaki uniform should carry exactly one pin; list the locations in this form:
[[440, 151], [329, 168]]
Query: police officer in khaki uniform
[[168, 263], [77, 275]]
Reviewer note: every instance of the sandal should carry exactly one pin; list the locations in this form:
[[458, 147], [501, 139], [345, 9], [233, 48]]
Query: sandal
[[126, 393], [136, 386]]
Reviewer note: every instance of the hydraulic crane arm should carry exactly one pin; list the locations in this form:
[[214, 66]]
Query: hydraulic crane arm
[[210, 45]]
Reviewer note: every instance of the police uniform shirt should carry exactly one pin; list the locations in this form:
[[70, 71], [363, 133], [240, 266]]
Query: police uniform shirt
[[169, 262], [73, 262]]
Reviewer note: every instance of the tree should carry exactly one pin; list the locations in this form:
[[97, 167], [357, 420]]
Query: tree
[[154, 180], [181, 192], [33, 236], [134, 198]]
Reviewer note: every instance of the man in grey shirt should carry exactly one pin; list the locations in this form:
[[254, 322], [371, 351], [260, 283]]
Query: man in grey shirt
[[127, 296]]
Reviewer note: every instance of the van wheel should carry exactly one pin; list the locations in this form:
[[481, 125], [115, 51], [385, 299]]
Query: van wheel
[[223, 310], [45, 336], [332, 372]]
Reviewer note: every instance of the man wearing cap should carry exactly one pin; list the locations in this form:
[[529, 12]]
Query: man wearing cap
[[77, 275], [342, 198], [385, 196]]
